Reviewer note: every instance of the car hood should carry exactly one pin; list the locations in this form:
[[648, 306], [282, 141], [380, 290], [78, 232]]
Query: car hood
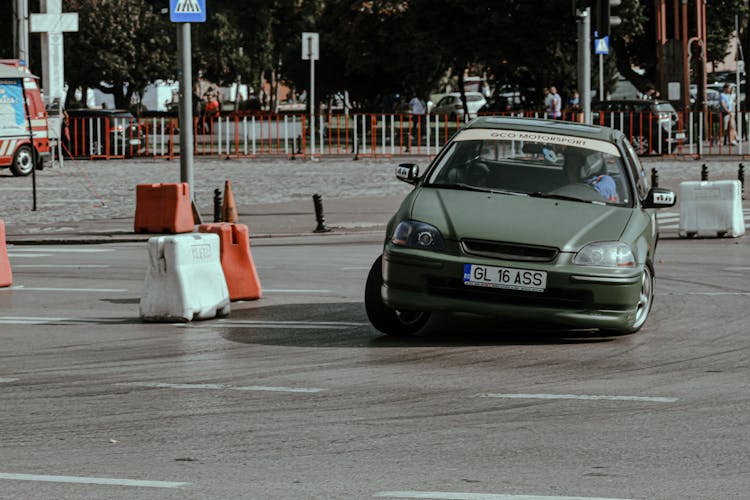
[[567, 225]]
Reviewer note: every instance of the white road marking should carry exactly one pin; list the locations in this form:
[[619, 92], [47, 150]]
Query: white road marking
[[92, 480], [17, 320], [259, 325], [222, 387], [448, 495], [46, 289], [281, 290], [580, 397], [14, 255], [63, 250], [61, 266], [710, 294], [23, 188], [7, 380], [355, 268]]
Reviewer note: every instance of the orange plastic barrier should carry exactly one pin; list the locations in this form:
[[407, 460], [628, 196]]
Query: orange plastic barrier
[[163, 208], [6, 277], [236, 259]]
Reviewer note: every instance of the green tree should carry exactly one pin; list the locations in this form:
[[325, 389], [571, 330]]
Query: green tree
[[121, 47]]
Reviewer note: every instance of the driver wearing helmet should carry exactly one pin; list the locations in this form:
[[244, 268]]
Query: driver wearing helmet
[[588, 167]]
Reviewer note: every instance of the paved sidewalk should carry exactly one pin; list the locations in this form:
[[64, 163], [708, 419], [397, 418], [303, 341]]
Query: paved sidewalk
[[94, 201]]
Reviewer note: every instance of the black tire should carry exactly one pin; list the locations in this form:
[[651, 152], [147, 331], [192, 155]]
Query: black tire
[[645, 303], [641, 144], [23, 161], [386, 319]]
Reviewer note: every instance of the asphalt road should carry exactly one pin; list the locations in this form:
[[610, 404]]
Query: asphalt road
[[297, 396]]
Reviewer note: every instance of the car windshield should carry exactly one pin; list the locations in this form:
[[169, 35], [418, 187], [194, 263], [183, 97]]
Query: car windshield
[[533, 164]]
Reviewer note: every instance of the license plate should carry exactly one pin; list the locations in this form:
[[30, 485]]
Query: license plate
[[680, 135], [505, 277]]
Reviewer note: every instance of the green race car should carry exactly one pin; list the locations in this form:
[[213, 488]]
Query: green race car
[[524, 219]]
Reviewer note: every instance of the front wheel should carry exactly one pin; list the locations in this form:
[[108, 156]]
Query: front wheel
[[386, 319], [23, 161], [645, 302]]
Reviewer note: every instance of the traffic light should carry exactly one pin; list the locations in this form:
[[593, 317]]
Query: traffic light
[[601, 16]]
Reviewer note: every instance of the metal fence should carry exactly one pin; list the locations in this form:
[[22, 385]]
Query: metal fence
[[372, 135]]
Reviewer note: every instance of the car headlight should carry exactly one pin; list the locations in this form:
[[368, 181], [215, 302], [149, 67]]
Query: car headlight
[[605, 254], [413, 234]]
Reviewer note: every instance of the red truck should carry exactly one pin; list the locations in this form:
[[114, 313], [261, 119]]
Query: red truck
[[21, 119]]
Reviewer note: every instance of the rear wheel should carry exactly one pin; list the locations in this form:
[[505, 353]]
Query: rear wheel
[[23, 161], [386, 319], [645, 302], [641, 144]]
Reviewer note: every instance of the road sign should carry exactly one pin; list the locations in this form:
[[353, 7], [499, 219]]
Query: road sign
[[187, 11], [310, 47], [601, 45]]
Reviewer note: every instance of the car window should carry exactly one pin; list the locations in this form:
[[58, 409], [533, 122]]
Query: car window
[[473, 98], [642, 181], [531, 164], [664, 107], [445, 100]]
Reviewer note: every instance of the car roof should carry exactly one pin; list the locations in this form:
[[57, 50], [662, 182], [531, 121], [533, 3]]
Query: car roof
[[98, 112], [629, 101], [548, 126], [467, 93]]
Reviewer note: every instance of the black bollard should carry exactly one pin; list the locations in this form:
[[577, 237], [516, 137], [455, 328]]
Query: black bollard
[[741, 178], [217, 205], [318, 203], [654, 177], [704, 172]]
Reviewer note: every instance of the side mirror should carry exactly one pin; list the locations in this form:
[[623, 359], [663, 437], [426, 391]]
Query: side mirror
[[660, 198], [408, 172]]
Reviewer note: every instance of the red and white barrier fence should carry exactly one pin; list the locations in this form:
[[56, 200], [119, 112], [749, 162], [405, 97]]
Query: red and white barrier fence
[[372, 135]]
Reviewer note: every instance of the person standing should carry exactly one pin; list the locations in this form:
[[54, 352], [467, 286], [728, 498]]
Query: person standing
[[417, 110], [726, 106], [555, 104]]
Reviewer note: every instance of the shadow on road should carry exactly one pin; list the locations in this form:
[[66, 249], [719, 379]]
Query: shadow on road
[[346, 325]]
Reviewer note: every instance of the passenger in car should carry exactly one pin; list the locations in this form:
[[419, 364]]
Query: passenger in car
[[588, 167]]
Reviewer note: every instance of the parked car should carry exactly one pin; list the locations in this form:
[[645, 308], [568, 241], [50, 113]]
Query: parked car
[[653, 126], [522, 219], [451, 106], [104, 132]]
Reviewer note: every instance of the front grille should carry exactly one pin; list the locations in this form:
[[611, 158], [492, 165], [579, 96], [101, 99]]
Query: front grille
[[509, 251], [553, 297]]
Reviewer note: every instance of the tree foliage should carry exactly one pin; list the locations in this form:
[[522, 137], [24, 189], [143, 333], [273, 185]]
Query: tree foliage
[[121, 46], [378, 50]]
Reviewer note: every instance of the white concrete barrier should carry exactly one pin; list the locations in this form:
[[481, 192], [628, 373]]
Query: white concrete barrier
[[711, 208], [184, 280]]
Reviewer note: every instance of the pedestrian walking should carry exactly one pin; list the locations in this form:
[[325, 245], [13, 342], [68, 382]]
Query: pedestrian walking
[[417, 110], [726, 106], [555, 104]]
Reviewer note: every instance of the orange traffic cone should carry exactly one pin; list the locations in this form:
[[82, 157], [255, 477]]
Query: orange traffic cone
[[228, 207]]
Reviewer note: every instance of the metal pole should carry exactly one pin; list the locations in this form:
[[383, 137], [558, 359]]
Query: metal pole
[[312, 95], [737, 113], [22, 33], [186, 106], [601, 77], [584, 62]]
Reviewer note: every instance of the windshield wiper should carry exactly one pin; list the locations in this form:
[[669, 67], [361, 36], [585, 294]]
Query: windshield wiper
[[469, 187], [461, 185], [539, 194]]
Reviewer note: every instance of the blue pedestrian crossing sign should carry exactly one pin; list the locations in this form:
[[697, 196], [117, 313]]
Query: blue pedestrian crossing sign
[[187, 11], [601, 45]]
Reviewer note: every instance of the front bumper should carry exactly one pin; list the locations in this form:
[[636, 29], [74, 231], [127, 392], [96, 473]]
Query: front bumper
[[576, 296]]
